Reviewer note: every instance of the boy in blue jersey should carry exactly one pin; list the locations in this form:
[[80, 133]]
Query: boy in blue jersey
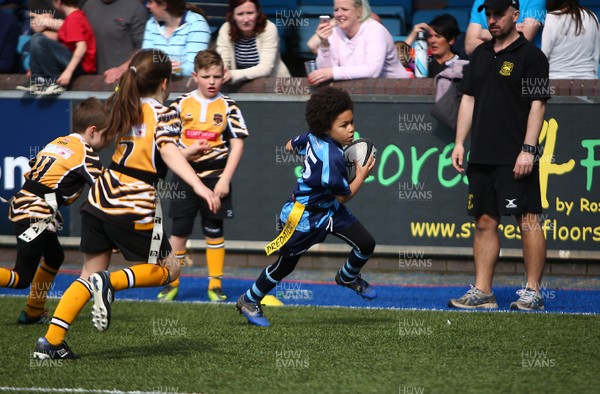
[[316, 208]]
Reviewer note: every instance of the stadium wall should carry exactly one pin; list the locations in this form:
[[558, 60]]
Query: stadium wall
[[414, 204]]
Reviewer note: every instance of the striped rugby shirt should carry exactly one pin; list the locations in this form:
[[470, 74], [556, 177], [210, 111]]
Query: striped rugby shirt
[[65, 165], [217, 120], [122, 199]]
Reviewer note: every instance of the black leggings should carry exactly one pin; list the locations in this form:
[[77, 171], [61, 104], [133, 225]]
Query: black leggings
[[29, 254], [355, 235]]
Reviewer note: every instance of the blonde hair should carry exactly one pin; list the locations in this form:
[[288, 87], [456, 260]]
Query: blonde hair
[[366, 9]]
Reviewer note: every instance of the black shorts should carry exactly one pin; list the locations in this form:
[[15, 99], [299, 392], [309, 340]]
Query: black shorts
[[186, 203], [98, 236], [301, 241], [493, 190]]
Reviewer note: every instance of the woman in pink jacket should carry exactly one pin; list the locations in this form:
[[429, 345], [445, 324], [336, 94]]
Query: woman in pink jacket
[[357, 47]]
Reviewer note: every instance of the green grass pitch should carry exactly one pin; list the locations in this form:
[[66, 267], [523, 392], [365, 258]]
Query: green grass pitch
[[179, 347]]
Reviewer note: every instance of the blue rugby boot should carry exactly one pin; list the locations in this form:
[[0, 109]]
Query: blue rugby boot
[[253, 312], [359, 285]]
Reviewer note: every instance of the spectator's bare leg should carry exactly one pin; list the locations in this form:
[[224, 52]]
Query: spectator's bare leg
[[486, 249]]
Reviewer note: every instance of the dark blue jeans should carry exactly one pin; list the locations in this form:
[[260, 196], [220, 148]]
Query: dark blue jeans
[[49, 58]]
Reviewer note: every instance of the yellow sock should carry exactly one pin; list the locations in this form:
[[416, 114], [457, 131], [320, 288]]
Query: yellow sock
[[180, 255], [215, 260], [141, 275], [42, 281], [70, 305], [8, 278]]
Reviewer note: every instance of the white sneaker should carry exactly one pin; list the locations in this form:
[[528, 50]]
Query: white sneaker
[[529, 300], [35, 84], [49, 90]]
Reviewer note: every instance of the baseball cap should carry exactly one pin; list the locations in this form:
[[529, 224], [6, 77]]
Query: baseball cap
[[498, 5]]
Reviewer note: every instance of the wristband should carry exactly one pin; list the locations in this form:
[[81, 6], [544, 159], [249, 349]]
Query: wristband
[[529, 149]]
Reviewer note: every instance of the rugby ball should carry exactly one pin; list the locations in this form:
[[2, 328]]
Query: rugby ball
[[359, 150]]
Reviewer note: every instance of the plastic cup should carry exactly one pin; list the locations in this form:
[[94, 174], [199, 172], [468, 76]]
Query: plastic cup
[[310, 66]]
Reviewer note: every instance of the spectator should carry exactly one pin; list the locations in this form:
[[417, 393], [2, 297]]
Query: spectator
[[119, 29], [531, 18], [357, 47], [73, 54], [313, 42], [45, 7], [9, 38], [505, 123], [571, 40], [178, 29], [249, 44], [441, 33]]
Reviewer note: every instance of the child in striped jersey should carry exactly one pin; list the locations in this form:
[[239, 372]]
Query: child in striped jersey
[[122, 210], [207, 114], [57, 177]]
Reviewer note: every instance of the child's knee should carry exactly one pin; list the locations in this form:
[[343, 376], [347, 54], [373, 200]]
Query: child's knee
[[367, 246]]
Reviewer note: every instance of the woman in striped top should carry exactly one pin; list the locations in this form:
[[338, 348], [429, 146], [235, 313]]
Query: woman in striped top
[[178, 29], [249, 44]]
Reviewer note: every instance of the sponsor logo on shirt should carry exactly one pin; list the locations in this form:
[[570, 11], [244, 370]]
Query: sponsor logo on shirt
[[506, 69], [201, 135], [510, 203], [138, 131], [58, 150]]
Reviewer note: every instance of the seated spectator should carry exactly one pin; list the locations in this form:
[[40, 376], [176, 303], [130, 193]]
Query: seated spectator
[[46, 22], [249, 44], [531, 18], [441, 34], [119, 29], [357, 47], [9, 38], [571, 40], [46, 7], [179, 30], [313, 42], [59, 61]]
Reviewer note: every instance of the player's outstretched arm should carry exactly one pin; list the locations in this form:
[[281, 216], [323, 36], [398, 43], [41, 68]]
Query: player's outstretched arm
[[362, 172], [177, 162]]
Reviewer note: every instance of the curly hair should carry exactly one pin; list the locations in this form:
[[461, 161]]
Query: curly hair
[[323, 108]]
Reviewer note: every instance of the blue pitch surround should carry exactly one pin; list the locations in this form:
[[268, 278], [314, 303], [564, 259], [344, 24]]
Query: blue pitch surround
[[435, 297]]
